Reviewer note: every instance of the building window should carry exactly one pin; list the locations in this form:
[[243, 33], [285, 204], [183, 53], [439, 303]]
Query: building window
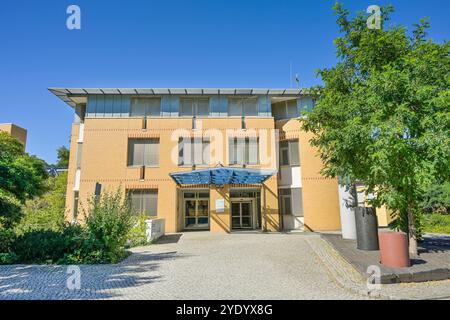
[[144, 202], [243, 107], [290, 201], [143, 152], [150, 107], [79, 154], [194, 107], [285, 110], [76, 196], [193, 151], [289, 153], [244, 151]]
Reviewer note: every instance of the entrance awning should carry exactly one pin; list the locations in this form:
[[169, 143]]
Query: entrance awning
[[222, 176]]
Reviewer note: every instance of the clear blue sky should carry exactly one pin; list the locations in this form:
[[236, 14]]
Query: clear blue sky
[[208, 43]]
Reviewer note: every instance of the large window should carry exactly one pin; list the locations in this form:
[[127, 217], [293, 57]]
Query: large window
[[285, 110], [244, 150], [143, 152], [193, 151], [290, 201], [145, 107], [243, 106], [144, 201], [289, 153], [194, 107]]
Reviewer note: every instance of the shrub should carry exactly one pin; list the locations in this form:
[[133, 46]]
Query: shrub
[[10, 211], [7, 238], [437, 223], [138, 233], [108, 225], [436, 199], [8, 258], [47, 246], [102, 239]]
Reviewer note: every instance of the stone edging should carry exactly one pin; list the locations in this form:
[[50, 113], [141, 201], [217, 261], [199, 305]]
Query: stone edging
[[346, 276]]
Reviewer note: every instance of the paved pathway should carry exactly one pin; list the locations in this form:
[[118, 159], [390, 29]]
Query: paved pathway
[[194, 265]]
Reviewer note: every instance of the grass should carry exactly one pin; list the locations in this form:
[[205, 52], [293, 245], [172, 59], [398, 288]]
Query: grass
[[436, 223]]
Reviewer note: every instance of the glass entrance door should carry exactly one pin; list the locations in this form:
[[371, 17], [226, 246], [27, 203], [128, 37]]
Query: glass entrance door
[[241, 215], [196, 211]]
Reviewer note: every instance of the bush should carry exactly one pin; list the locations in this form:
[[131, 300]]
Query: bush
[[108, 225], [47, 246], [102, 239], [437, 223], [138, 233], [8, 258], [437, 199], [10, 211], [7, 238]]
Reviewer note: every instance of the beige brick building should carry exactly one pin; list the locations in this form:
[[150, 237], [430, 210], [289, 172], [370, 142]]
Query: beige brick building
[[206, 159]]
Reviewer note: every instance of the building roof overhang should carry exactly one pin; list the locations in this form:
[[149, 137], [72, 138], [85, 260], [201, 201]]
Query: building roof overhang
[[222, 176], [74, 96]]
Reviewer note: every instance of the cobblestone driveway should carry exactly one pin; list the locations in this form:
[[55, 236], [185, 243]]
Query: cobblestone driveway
[[194, 265]]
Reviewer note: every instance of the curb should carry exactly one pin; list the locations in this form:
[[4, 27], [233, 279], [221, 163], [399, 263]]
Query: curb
[[347, 277]]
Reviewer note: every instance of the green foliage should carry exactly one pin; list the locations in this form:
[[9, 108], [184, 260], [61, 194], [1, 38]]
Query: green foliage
[[46, 246], [436, 223], [44, 238], [109, 223], [10, 209], [382, 115], [138, 233], [7, 238], [46, 212], [401, 223], [9, 147], [63, 157], [21, 177], [436, 199], [8, 258]]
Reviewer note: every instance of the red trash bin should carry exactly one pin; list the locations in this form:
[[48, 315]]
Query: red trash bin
[[394, 249]]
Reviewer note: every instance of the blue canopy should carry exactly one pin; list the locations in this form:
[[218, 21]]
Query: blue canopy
[[222, 176]]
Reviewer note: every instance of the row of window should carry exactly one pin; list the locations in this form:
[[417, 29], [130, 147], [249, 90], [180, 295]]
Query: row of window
[[145, 201], [193, 107], [196, 151]]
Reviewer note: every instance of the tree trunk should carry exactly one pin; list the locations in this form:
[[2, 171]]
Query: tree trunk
[[411, 232], [354, 194]]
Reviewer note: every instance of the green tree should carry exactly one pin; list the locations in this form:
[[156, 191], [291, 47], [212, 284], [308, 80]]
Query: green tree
[[382, 114], [46, 212], [63, 157], [21, 177]]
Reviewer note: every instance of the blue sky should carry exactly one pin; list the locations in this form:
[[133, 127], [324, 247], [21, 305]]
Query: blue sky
[[207, 43]]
